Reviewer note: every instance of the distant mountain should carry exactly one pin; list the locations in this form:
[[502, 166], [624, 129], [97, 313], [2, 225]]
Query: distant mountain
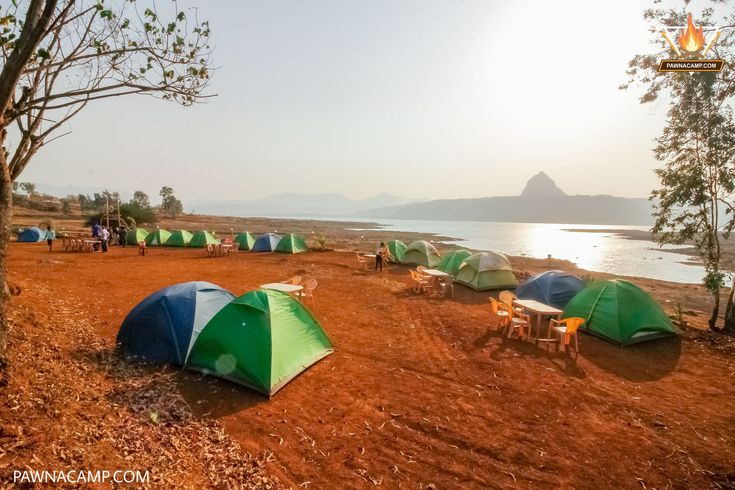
[[541, 202], [541, 185], [292, 204]]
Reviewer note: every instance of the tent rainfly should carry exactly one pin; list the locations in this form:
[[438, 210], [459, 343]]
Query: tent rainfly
[[202, 238], [291, 244], [163, 327], [262, 340], [423, 253], [553, 288], [32, 235], [158, 237], [620, 311], [266, 243], [486, 270], [179, 238], [397, 249], [450, 263], [245, 239], [136, 235]]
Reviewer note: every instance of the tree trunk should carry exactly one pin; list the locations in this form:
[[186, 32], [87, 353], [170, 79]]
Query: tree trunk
[[6, 216], [730, 311], [715, 312]]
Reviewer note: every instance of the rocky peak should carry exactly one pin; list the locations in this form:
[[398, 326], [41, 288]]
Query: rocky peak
[[541, 185]]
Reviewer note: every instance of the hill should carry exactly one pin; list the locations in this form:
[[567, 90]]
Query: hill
[[541, 202]]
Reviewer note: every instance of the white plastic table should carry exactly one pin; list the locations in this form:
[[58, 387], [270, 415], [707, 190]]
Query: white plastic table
[[436, 275], [279, 286], [540, 309]]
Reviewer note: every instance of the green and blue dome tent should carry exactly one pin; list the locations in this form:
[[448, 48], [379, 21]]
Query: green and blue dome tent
[[262, 340], [163, 327]]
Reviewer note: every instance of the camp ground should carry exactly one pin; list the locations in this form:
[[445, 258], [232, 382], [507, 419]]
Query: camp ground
[[363, 361]]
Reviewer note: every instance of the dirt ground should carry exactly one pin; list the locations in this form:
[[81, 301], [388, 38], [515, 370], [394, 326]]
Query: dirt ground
[[420, 393]]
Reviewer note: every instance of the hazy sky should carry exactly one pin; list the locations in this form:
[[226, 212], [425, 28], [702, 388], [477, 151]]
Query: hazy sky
[[417, 98]]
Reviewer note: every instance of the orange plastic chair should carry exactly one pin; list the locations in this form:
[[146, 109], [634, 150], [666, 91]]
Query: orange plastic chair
[[295, 280], [420, 283], [308, 291], [508, 297], [517, 321], [566, 329], [498, 314]]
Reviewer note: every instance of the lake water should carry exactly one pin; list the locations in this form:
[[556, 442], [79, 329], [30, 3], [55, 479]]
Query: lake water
[[596, 251]]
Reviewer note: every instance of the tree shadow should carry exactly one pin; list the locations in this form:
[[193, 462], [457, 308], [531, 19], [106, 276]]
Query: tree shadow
[[646, 361]]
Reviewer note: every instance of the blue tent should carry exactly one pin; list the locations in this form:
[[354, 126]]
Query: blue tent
[[266, 243], [553, 288], [32, 234], [163, 327]]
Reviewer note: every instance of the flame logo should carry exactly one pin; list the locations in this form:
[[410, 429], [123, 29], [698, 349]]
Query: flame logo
[[691, 40]]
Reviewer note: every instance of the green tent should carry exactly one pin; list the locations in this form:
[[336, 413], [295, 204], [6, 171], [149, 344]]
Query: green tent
[[396, 248], [136, 235], [450, 263], [202, 238], [245, 239], [423, 253], [158, 237], [291, 244], [486, 270], [263, 340], [179, 238], [620, 311]]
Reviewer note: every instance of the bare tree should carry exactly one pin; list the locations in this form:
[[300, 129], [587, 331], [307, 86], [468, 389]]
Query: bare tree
[[60, 55]]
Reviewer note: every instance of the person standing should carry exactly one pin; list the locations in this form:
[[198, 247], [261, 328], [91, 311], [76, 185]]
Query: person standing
[[50, 237], [104, 236], [96, 234], [380, 255], [122, 236]]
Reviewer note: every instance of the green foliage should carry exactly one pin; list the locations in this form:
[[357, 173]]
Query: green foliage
[[679, 316], [141, 199], [169, 203], [319, 241], [29, 188], [695, 201], [66, 207]]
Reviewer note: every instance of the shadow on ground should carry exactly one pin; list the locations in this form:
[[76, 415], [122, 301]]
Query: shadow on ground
[[205, 395], [208, 396], [647, 361]]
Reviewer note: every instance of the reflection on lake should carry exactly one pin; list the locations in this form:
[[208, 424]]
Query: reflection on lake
[[596, 251]]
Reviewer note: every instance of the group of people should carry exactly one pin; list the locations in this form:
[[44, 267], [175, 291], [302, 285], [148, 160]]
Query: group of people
[[107, 236], [104, 235]]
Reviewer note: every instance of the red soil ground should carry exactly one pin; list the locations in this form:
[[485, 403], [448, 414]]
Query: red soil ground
[[420, 393]]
